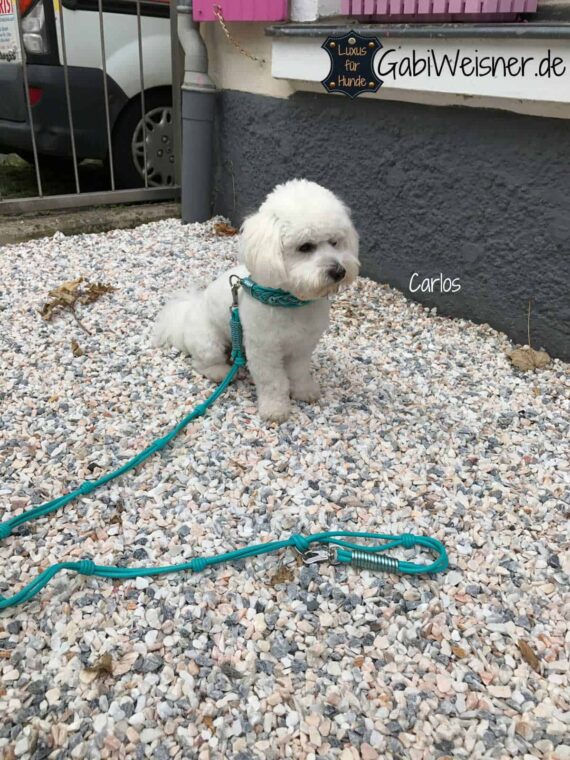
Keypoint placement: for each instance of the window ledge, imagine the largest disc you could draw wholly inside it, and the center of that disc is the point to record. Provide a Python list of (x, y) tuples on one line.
[(521, 30)]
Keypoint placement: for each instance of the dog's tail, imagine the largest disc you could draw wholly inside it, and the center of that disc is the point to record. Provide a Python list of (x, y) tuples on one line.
[(174, 319)]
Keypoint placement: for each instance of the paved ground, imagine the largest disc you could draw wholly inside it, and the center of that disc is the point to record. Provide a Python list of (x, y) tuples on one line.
[(18, 180), (14, 229)]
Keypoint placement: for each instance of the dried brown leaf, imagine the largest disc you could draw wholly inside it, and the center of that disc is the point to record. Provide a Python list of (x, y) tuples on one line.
[(103, 666), (208, 721), (76, 349), (458, 651), (529, 655), (67, 295), (93, 291), (528, 359), (66, 289), (221, 228), (283, 574), (47, 310), (541, 358)]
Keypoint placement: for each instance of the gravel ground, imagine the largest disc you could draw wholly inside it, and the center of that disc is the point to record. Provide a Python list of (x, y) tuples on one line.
[(423, 427)]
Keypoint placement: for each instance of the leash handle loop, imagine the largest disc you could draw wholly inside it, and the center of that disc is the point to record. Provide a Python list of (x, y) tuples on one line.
[(369, 557)]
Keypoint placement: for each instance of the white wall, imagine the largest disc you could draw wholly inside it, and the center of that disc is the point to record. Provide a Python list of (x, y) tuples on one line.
[(311, 10)]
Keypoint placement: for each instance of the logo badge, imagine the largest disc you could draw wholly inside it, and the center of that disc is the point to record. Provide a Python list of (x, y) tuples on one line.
[(352, 72)]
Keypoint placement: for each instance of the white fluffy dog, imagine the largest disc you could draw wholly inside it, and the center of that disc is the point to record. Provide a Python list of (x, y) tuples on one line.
[(302, 241)]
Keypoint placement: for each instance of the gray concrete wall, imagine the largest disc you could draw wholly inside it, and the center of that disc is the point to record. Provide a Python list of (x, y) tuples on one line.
[(482, 196)]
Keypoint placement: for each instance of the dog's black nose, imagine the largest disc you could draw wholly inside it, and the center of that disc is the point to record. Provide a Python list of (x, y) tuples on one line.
[(336, 272)]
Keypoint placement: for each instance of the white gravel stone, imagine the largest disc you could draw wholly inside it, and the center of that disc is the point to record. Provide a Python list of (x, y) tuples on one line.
[(149, 735), (99, 723), (453, 578), (21, 747), (138, 719), (423, 427)]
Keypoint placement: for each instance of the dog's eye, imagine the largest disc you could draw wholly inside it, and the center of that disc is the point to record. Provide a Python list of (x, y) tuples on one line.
[(307, 247), (333, 243)]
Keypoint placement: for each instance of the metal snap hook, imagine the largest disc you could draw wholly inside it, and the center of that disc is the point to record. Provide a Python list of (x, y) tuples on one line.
[(235, 283), (315, 555)]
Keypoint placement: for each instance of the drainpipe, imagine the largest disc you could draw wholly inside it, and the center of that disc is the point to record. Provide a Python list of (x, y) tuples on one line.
[(198, 99)]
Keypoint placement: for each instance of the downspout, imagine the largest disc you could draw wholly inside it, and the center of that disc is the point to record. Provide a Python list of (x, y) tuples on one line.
[(198, 100)]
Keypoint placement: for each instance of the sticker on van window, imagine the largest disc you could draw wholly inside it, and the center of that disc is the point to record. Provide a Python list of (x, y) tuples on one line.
[(9, 40)]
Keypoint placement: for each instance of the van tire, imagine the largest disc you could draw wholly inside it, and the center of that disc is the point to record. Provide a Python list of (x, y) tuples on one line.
[(128, 137)]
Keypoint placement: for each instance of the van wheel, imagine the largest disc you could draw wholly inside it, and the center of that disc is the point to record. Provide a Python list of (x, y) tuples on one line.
[(129, 142)]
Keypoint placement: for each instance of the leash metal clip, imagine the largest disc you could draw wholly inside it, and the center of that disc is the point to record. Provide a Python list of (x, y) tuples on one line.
[(235, 283), (325, 554), (315, 555)]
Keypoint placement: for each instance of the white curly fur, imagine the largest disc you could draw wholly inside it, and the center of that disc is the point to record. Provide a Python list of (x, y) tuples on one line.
[(278, 341)]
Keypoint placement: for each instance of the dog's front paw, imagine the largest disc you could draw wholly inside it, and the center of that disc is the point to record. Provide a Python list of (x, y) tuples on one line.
[(274, 411), (215, 372), (307, 391)]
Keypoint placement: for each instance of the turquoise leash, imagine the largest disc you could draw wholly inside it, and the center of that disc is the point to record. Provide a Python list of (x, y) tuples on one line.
[(360, 556)]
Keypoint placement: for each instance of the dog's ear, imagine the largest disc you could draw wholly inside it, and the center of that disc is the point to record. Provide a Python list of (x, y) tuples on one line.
[(352, 238), (261, 249)]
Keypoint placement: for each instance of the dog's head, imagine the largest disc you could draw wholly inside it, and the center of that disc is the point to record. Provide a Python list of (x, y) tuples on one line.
[(301, 240)]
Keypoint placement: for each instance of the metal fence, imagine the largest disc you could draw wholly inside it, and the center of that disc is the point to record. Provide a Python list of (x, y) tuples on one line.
[(97, 25)]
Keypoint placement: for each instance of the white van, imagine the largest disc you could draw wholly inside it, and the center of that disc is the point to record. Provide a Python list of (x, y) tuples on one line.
[(42, 39)]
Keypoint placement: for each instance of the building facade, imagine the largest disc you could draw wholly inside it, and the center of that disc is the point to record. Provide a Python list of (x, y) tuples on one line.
[(459, 182)]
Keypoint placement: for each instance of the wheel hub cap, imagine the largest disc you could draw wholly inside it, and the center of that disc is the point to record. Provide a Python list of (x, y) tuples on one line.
[(159, 147)]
